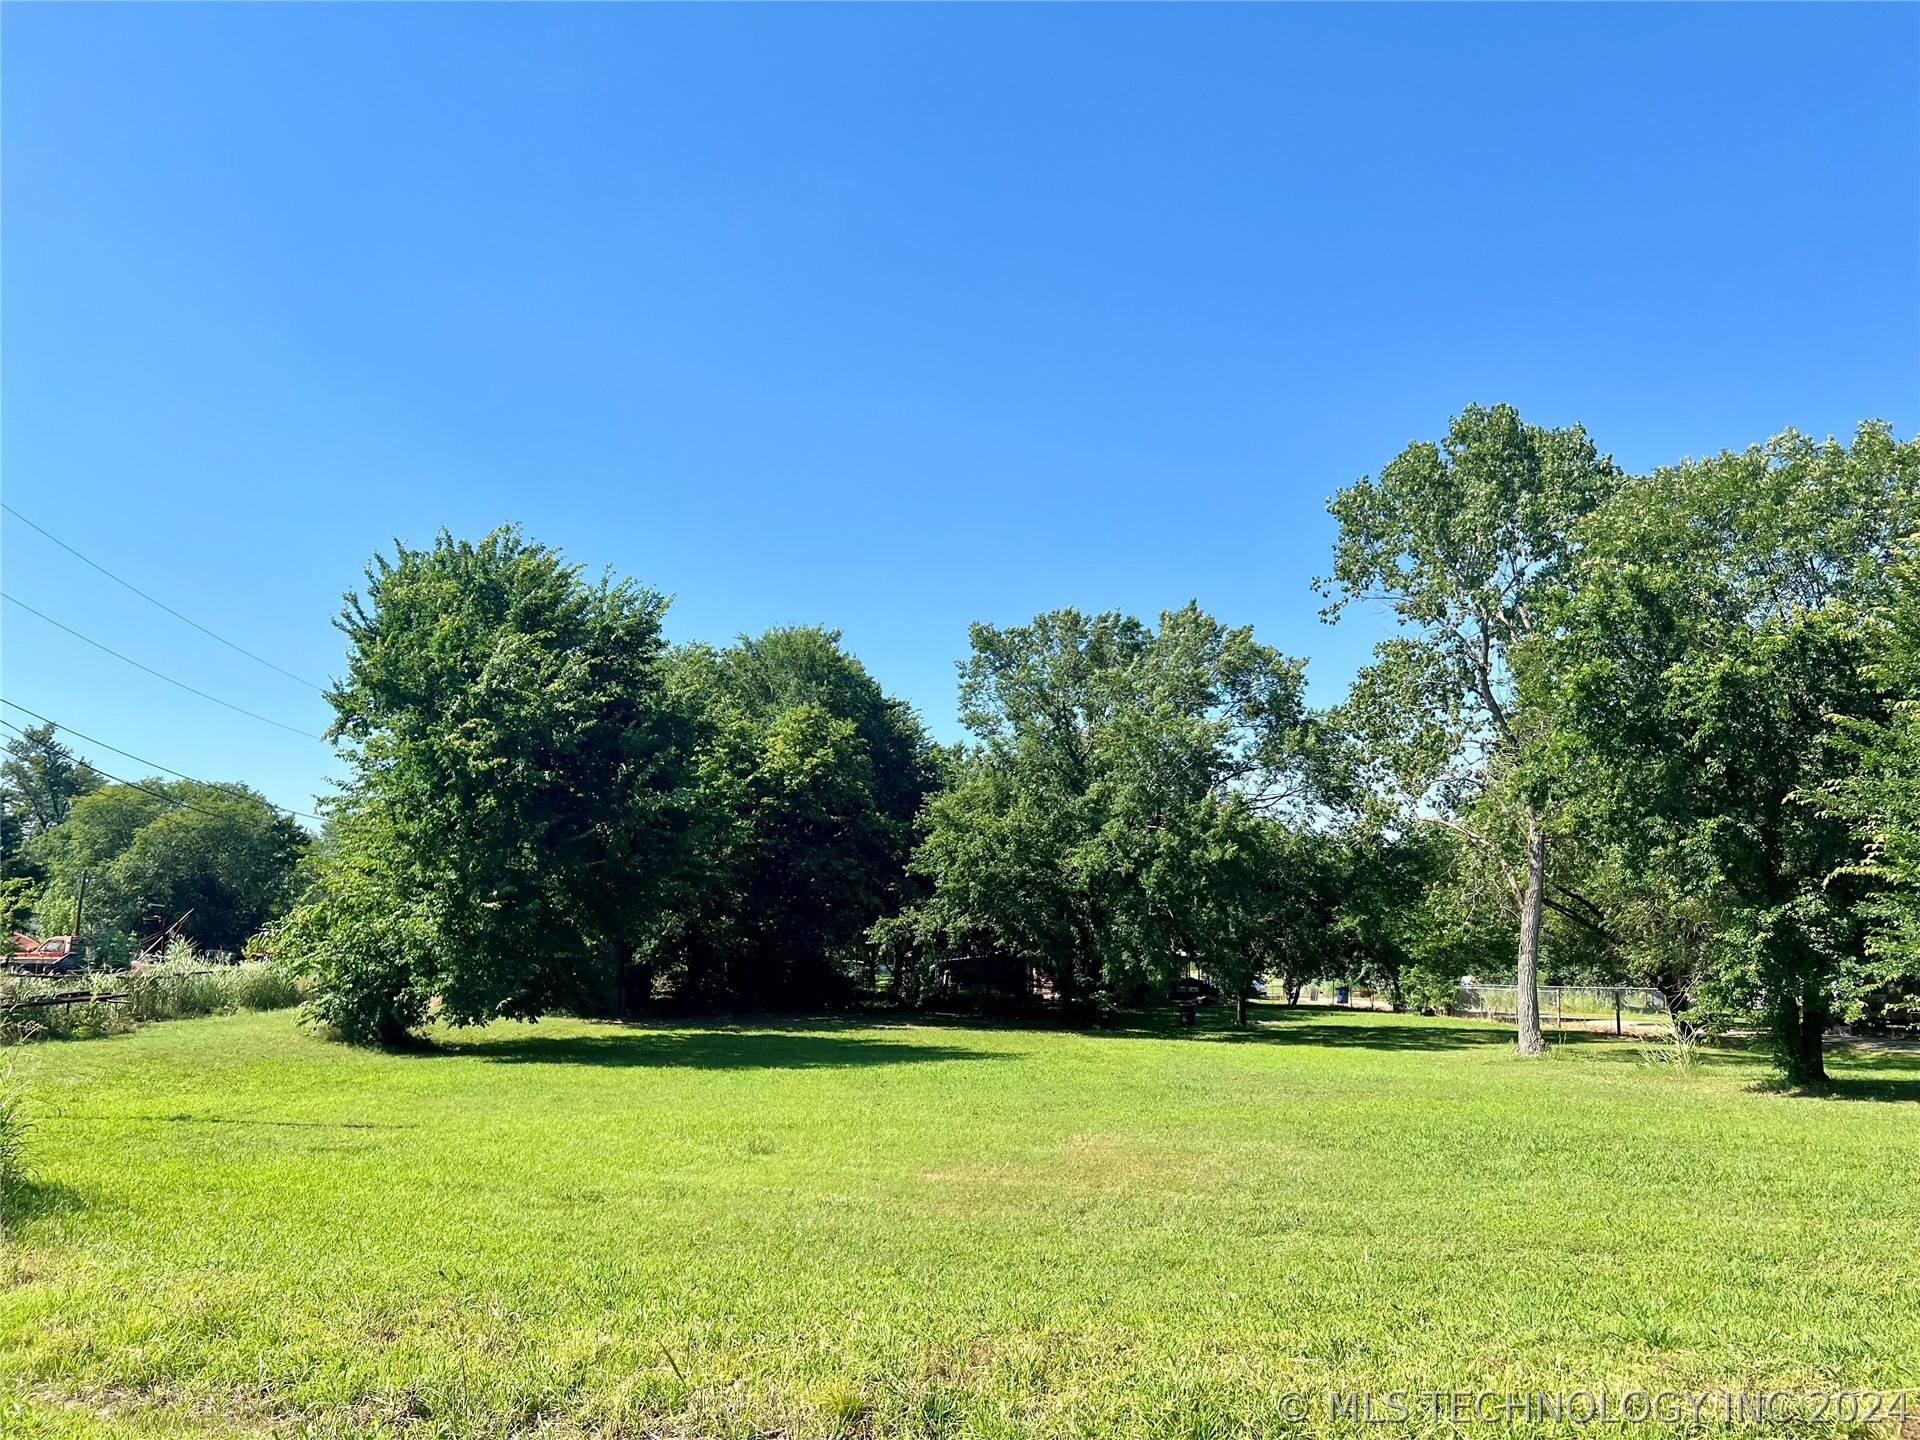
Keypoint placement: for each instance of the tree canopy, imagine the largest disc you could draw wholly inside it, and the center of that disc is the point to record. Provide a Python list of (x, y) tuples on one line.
[(514, 815), (1879, 795), (1111, 827), (808, 782), (1469, 541), (1716, 654), (214, 863), (39, 781), (1657, 728)]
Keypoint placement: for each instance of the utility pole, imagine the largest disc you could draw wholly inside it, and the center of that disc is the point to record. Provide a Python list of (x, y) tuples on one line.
[(80, 914)]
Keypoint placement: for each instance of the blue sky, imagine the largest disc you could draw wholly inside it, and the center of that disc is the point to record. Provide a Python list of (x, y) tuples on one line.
[(886, 318)]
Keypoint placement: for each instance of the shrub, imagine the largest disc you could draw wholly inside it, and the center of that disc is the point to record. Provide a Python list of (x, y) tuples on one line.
[(1428, 992), (355, 947), (364, 996)]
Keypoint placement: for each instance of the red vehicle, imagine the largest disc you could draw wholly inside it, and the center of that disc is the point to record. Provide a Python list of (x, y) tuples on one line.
[(52, 956)]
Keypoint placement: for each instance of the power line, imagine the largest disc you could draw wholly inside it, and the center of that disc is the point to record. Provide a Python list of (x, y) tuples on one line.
[(177, 774), (251, 714), (261, 659), (119, 780)]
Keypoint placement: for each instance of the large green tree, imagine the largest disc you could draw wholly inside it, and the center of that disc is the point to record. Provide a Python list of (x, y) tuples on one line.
[(810, 781), (1468, 541), (1716, 652), (1880, 796), (40, 779), (1253, 895), (515, 812), (1106, 833), (211, 862)]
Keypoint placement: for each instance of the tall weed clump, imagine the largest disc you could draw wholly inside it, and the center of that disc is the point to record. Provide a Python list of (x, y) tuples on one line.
[(21, 1019), (1677, 1045), (186, 984), (179, 986)]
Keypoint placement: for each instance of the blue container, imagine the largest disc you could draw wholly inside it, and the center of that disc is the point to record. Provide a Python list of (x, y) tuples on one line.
[(1341, 995)]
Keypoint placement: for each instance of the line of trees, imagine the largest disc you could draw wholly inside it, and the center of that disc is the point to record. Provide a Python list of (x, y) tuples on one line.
[(549, 807), (211, 863), (1666, 715), (1648, 728)]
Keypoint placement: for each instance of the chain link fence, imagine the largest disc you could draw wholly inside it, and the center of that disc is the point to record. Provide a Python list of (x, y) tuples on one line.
[(1586, 1007)]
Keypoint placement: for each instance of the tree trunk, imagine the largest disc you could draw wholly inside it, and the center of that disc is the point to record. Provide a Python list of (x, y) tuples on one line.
[(1241, 1019), (614, 961), (394, 1035), (1806, 1028), (1527, 980)]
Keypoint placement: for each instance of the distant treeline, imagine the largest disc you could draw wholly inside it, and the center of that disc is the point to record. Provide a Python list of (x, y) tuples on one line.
[(153, 860), (1658, 729)]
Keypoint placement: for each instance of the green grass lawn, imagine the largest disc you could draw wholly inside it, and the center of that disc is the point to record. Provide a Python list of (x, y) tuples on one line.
[(818, 1228)]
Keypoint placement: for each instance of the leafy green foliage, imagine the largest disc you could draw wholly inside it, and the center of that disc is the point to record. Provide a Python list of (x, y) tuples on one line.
[(515, 814), (548, 809), (809, 783), (1383, 927), (40, 780), (216, 860), (1468, 541), (1719, 641), (1880, 796), (364, 940), (1113, 826), (1655, 729)]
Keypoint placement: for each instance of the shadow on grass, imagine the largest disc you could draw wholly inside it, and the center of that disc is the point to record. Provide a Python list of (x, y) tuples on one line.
[(1376, 1035), (714, 1049), (1317, 1025), (1904, 1088), (1871, 1074), (25, 1201), (1271, 1024)]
